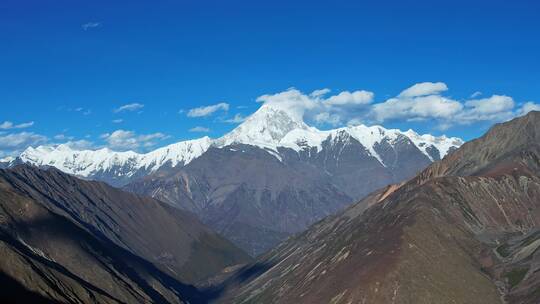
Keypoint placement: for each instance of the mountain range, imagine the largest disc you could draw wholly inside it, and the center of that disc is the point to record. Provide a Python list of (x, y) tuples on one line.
[(271, 129), (464, 230), (270, 177)]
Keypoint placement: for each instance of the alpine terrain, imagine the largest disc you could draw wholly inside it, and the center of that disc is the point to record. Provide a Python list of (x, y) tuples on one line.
[(270, 177), (464, 230), (66, 240)]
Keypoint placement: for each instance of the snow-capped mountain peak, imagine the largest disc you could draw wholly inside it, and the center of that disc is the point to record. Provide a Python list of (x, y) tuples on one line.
[(271, 127), (86, 163), (264, 128), (442, 143), (179, 153)]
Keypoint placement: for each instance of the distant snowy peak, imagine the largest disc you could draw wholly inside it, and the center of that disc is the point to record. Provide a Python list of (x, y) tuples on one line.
[(269, 128), (87, 162), (272, 127), (77, 162), (442, 143), (180, 153), (369, 137), (264, 128)]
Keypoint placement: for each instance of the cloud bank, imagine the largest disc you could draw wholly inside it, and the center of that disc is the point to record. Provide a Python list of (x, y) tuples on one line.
[(123, 140), (428, 102), (14, 143), (425, 101), (7, 125)]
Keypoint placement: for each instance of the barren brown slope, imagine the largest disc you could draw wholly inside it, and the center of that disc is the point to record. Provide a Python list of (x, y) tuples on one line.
[(436, 239), (505, 145), (68, 238), (172, 239), (53, 259)]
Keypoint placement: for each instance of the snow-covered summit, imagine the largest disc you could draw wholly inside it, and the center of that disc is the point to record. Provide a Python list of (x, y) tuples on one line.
[(264, 128), (442, 143), (269, 128), (272, 127), (87, 162)]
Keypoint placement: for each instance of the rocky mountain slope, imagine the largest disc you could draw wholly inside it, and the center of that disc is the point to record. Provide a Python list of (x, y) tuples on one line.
[(270, 177), (251, 197), (465, 230), (69, 240), (274, 175)]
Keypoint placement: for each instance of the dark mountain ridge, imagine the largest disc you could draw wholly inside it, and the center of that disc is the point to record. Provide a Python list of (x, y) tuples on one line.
[(71, 240)]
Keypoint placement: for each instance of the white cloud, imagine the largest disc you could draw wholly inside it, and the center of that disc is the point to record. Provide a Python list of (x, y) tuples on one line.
[(6, 125), (62, 137), (355, 121), (117, 121), (129, 140), (319, 93), (476, 94), (416, 108), (81, 110), (423, 89), (208, 110), (527, 107), (90, 25), (129, 107), (81, 144), (348, 98), (12, 144), (420, 102), (15, 142), (327, 118), (493, 104), (414, 105), (238, 118), (199, 129), (494, 108), (292, 101), (316, 107)]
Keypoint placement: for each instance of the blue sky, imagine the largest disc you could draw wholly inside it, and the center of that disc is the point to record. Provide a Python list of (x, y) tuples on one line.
[(67, 67)]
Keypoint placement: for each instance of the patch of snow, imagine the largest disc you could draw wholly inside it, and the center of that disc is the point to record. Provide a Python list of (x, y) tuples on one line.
[(7, 159), (442, 143), (299, 139)]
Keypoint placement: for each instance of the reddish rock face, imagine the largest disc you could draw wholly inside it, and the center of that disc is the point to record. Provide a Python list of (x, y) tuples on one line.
[(465, 230)]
